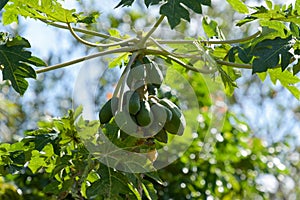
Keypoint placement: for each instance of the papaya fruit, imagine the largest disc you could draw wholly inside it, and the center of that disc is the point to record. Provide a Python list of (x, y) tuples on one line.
[(107, 110), (162, 136), (131, 101), (144, 116), (161, 113), (134, 103), (177, 123), (154, 75), (136, 73)]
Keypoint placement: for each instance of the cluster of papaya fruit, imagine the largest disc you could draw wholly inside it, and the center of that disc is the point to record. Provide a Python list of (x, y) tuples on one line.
[(138, 111)]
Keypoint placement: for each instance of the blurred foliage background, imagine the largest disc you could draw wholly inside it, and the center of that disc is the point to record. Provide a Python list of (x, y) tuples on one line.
[(256, 155)]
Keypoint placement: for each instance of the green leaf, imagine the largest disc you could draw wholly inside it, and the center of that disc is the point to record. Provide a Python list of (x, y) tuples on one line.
[(46, 10), (262, 76), (174, 10), (118, 60), (154, 176), (52, 187), (149, 190), (295, 30), (36, 162), (286, 79), (2, 3), (228, 76), (275, 25), (125, 3), (269, 52), (210, 27), (239, 6), (296, 68), (16, 62), (297, 5), (151, 2)]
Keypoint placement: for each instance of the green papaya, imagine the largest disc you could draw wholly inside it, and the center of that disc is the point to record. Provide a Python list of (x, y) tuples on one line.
[(154, 75), (144, 116), (161, 113), (131, 99), (177, 123), (107, 110), (137, 73), (134, 103), (162, 136)]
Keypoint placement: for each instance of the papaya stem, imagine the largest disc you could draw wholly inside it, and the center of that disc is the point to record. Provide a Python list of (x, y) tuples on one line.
[(84, 58), (88, 32), (79, 39), (155, 26)]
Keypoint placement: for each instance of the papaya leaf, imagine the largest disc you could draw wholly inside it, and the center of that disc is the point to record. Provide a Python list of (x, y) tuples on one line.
[(118, 60), (270, 52), (125, 3), (174, 10), (16, 63), (149, 190), (296, 68), (297, 5), (151, 2), (295, 30), (210, 27), (286, 79), (228, 76), (45, 10), (2, 3), (239, 6)]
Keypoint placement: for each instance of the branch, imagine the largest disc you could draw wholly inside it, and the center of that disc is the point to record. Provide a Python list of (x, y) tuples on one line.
[(237, 65), (122, 42), (102, 53), (121, 82), (187, 66), (210, 41), (144, 39), (88, 32)]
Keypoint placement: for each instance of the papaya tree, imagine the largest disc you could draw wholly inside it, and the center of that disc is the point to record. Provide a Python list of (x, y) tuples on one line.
[(163, 130)]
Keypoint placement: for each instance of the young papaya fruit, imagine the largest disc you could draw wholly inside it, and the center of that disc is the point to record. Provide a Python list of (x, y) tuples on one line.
[(134, 103), (154, 75), (131, 101), (162, 136), (107, 110), (161, 113), (144, 116), (136, 73), (177, 123)]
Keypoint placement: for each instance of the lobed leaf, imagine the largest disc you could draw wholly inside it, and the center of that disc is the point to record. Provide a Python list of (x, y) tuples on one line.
[(210, 27), (2, 3), (17, 63), (269, 53), (287, 80), (175, 11), (151, 2), (125, 3), (45, 10), (239, 6)]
